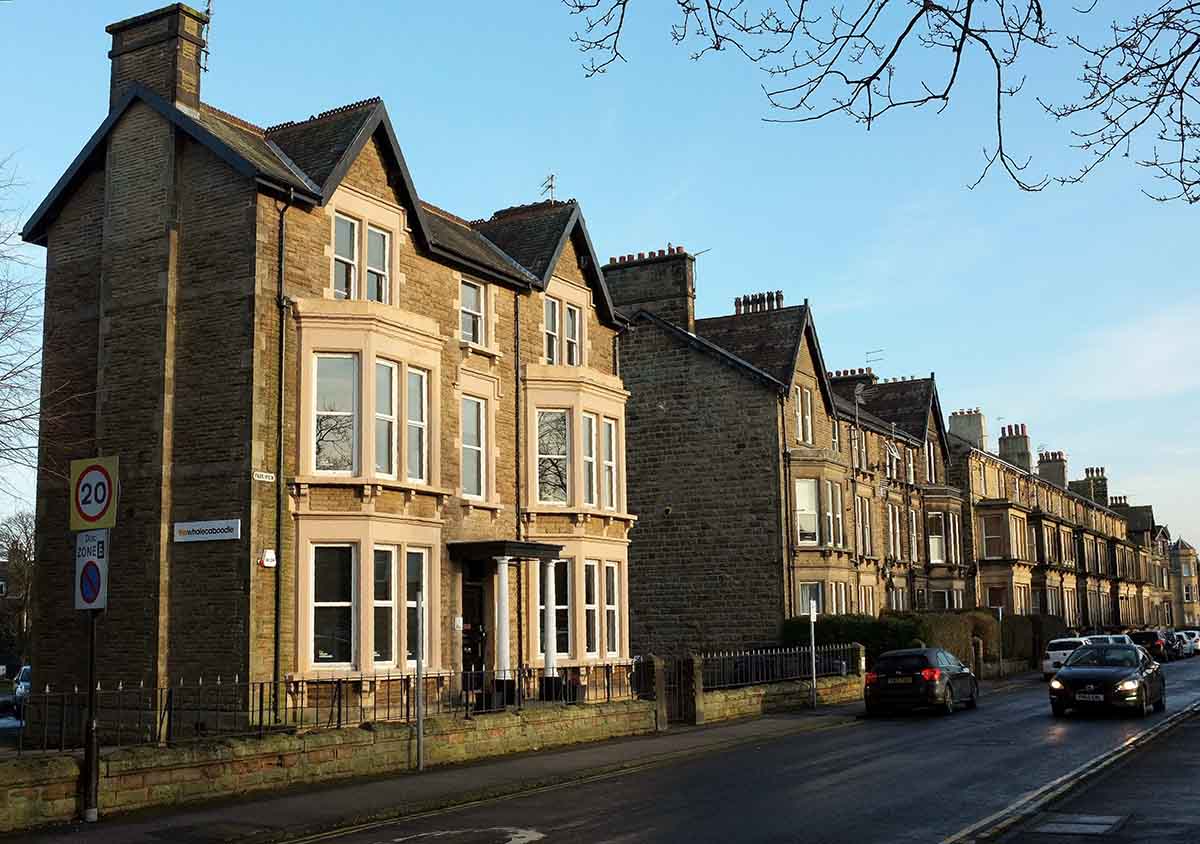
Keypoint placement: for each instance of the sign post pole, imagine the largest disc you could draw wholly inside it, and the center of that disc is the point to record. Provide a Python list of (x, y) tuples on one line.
[(91, 806), (812, 648), (420, 696)]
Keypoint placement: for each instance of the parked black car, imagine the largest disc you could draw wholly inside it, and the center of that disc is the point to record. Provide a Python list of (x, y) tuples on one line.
[(1158, 643), (1109, 676), (917, 678)]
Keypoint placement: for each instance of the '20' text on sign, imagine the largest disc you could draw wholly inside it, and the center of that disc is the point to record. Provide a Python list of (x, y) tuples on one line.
[(94, 488)]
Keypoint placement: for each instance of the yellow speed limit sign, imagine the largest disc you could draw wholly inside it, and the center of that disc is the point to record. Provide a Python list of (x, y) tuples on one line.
[(93, 493)]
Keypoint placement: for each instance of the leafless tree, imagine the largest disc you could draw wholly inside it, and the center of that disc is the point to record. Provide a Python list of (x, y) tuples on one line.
[(17, 539), (860, 59)]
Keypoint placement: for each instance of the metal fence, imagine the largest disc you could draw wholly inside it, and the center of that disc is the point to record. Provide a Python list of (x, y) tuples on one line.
[(190, 712), (771, 665)]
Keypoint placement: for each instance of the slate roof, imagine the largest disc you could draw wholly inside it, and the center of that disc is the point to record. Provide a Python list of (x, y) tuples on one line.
[(710, 348), (531, 234), (767, 339), (866, 418), (309, 158), (1139, 518), (907, 403)]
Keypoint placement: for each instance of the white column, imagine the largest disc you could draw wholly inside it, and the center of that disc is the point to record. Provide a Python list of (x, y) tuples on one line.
[(551, 645), (502, 661)]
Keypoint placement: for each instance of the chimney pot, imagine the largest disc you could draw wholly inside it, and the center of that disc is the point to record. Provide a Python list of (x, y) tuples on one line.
[(662, 252), (868, 370), (641, 255), (779, 298), (680, 250), (612, 260), (737, 305)]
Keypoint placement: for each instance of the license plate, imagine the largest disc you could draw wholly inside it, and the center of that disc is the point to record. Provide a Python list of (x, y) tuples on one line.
[(1089, 698), (900, 680)]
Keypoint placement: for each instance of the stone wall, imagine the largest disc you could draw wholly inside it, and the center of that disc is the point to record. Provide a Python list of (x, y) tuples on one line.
[(749, 701), (36, 791)]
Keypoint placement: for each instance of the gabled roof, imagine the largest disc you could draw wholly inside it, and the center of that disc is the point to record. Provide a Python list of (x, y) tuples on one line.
[(769, 339), (234, 145), (907, 402), (309, 159), (868, 419)]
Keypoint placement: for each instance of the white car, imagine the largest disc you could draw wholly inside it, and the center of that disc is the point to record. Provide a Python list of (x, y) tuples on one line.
[(1113, 639), (1056, 654), (1194, 635), (1187, 645)]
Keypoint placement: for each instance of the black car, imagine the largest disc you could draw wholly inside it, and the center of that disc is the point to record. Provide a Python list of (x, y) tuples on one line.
[(1109, 677), (1156, 642), (919, 677)]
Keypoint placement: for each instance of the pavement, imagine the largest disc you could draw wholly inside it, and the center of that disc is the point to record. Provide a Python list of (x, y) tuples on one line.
[(824, 776)]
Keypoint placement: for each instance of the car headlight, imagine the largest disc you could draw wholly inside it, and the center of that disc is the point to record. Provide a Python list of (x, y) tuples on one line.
[(1055, 684), (1127, 686)]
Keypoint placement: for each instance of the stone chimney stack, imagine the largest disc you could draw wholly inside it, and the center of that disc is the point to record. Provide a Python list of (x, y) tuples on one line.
[(662, 282), (1093, 485), (160, 50), (1052, 467), (1014, 446), (854, 377), (971, 425)]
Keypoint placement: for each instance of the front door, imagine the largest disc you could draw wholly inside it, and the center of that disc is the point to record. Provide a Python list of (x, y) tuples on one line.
[(474, 638)]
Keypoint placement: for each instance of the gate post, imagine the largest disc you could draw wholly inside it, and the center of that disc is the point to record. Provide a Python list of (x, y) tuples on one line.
[(660, 692), (695, 687)]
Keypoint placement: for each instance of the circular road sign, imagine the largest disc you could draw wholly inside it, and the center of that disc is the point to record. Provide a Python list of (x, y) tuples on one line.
[(93, 493), (89, 582)]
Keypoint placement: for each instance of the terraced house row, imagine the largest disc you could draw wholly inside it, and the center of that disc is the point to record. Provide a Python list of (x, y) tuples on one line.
[(470, 438)]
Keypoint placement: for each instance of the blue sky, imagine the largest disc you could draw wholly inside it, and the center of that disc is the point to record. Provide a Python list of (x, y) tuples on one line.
[(1073, 310)]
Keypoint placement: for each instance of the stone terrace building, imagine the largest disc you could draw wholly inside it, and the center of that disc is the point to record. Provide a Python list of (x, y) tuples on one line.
[(1033, 543), (1152, 574), (755, 489), (440, 413), (1185, 579)]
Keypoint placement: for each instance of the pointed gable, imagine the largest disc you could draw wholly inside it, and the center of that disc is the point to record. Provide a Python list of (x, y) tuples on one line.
[(768, 339)]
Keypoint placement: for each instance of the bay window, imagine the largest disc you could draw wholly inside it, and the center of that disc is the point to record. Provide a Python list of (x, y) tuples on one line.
[(589, 460), (810, 594), (553, 460), (333, 605), (862, 507), (591, 609), (385, 605), (418, 434), (385, 418), (955, 538), (563, 629), (336, 428), (993, 536), (612, 632), (936, 529), (913, 545), (416, 580), (609, 453), (834, 532), (474, 448), (806, 512)]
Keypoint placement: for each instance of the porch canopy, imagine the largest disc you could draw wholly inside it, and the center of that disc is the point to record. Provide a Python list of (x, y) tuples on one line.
[(487, 549)]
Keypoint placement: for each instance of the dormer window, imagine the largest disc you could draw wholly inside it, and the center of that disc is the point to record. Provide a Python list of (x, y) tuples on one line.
[(345, 257)]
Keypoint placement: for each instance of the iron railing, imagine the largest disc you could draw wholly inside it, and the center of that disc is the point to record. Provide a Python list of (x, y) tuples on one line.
[(772, 665), (191, 712)]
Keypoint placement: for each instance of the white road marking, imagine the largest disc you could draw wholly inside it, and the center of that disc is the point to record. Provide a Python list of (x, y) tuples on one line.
[(515, 835)]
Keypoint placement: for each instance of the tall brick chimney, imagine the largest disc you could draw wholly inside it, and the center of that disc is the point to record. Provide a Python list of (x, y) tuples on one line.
[(161, 50), (1093, 485), (661, 281), (1052, 467), (971, 425), (1014, 446)]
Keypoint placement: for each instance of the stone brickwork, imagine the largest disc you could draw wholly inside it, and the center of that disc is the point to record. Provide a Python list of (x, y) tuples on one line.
[(36, 791), (752, 701)]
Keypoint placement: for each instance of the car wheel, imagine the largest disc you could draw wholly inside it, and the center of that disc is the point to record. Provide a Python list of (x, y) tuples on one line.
[(1057, 709), (973, 701), (1161, 704), (1144, 707), (948, 703)]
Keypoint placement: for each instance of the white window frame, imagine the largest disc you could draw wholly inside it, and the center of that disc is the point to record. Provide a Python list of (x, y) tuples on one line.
[(892, 459), (812, 516), (807, 590), (380, 271), (568, 564), (572, 342), (827, 504), (862, 447), (984, 536), (937, 541), (421, 473), (591, 610), (865, 540), (480, 316), (387, 418), (552, 333), (389, 603), (352, 604), (910, 467), (591, 479), (608, 454), (806, 415), (353, 413), (913, 555), (351, 262), (410, 602), (855, 434), (838, 523), (955, 538), (566, 457), (612, 609), (930, 462), (479, 451), (835, 439)]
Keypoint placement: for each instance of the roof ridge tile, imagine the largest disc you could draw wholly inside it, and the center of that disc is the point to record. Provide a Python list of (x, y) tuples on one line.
[(333, 112), (232, 118)]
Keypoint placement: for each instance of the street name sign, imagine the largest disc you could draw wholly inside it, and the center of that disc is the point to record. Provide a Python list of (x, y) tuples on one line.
[(94, 493), (91, 570)]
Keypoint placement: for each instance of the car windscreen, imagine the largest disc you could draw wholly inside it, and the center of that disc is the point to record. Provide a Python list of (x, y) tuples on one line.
[(1141, 638), (1063, 645), (23, 677), (1100, 656), (901, 664)]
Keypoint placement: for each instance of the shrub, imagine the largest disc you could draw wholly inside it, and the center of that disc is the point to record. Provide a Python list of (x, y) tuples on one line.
[(890, 631)]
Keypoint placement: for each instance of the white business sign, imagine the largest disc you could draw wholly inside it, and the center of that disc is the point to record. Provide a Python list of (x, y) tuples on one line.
[(91, 570), (208, 531)]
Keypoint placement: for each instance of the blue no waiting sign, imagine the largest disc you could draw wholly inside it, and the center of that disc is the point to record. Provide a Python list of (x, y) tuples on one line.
[(91, 570)]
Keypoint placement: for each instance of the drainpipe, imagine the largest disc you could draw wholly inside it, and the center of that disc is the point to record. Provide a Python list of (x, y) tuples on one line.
[(284, 306), (519, 455), (788, 527)]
